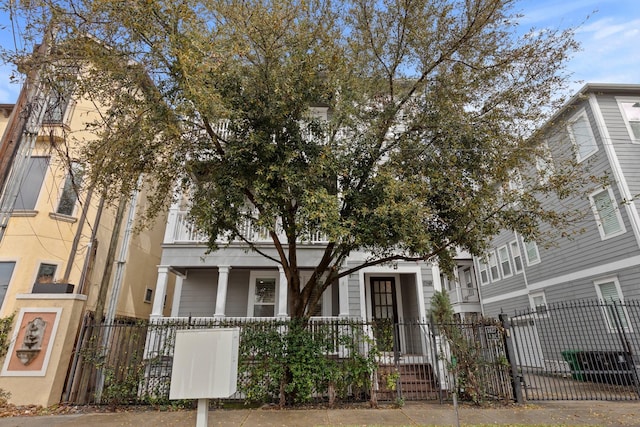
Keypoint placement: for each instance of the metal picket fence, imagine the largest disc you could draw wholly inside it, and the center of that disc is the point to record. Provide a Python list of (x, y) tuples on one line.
[(579, 350), (130, 361)]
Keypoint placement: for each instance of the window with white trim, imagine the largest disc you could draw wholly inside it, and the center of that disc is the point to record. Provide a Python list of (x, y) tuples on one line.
[(262, 294), (517, 257), (544, 164), (6, 271), (483, 270), (607, 213), (538, 303), (531, 253), (631, 113), (615, 312), (493, 267), (70, 190), (505, 261), (581, 135)]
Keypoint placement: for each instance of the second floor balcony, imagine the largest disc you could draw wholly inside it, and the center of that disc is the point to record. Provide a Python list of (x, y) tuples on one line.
[(180, 230)]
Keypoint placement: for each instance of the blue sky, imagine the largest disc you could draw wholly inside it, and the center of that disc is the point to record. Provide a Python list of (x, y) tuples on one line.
[(610, 39)]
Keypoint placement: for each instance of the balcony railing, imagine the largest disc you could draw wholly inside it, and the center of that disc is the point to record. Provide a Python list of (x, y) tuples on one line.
[(181, 230), (464, 295)]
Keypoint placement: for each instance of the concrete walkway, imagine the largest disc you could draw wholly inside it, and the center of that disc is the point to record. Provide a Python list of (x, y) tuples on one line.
[(584, 413)]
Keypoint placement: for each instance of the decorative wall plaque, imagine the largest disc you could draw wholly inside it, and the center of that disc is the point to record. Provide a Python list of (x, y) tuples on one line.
[(32, 342)]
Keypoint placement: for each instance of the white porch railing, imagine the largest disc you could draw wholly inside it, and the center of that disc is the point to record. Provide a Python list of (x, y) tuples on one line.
[(180, 230), (464, 295)]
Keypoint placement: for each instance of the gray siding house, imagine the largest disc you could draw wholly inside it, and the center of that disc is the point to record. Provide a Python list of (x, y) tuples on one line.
[(601, 127)]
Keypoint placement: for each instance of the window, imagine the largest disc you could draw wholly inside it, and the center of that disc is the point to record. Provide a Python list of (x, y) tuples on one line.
[(483, 268), (517, 257), (58, 102), (607, 214), (148, 293), (538, 303), (516, 183), (46, 273), (467, 278), (631, 113), (31, 183), (544, 164), (581, 135), (262, 294), (531, 252), (615, 312), (493, 267), (70, 190), (505, 262), (6, 271)]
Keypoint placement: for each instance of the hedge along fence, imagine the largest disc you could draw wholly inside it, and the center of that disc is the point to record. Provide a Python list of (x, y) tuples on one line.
[(281, 361)]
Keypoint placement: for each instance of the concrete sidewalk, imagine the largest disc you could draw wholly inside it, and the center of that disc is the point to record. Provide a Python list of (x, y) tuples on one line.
[(584, 413)]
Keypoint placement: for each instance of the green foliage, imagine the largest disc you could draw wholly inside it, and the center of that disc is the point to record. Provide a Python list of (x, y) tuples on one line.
[(122, 371), (6, 324), (431, 107), (465, 359), (290, 363)]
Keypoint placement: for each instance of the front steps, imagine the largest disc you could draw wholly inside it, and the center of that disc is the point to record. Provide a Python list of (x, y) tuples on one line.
[(408, 381)]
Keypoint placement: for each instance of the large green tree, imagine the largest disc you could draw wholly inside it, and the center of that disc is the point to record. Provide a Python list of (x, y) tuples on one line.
[(431, 107)]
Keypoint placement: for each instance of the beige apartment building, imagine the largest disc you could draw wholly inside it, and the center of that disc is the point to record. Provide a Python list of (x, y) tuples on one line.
[(55, 234)]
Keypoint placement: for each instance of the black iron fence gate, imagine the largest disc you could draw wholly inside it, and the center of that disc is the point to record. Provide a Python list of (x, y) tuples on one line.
[(580, 350)]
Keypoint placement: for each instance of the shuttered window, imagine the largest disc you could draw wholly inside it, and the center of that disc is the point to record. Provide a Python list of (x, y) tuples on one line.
[(582, 136), (531, 251), (615, 313), (607, 214), (631, 112)]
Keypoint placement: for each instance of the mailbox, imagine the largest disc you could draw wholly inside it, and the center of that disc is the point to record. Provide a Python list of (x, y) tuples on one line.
[(205, 363)]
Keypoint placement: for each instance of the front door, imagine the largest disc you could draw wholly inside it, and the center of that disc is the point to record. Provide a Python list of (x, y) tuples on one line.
[(384, 310)]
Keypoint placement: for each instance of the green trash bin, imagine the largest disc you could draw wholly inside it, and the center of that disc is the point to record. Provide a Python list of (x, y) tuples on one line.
[(571, 357)]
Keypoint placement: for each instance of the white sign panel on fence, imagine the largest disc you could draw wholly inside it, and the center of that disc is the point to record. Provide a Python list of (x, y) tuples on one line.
[(205, 363)]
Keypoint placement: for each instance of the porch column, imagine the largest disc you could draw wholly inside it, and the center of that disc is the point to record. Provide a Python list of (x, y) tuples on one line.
[(221, 297), (343, 296), (422, 311), (283, 289), (161, 291), (177, 292), (435, 272), (457, 284)]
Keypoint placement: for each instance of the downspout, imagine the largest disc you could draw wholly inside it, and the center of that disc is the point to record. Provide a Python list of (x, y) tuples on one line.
[(122, 258), (76, 238), (91, 248), (118, 275)]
